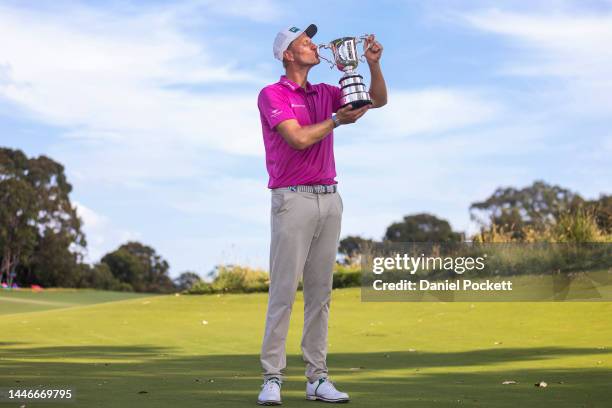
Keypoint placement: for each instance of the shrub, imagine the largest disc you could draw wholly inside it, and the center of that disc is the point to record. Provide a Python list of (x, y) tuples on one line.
[(577, 226), (346, 276), (580, 226), (123, 287), (242, 279), (234, 279), (200, 288)]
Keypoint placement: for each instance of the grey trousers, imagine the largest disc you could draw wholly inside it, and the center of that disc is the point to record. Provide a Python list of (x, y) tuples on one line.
[(304, 242)]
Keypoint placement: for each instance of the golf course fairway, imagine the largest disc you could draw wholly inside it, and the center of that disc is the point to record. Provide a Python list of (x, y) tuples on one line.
[(197, 351)]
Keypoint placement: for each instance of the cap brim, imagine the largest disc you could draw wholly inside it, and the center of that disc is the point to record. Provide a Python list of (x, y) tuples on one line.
[(311, 30)]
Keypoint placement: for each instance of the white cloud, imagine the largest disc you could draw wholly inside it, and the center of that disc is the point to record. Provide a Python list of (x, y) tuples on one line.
[(108, 77), (429, 111), (440, 173), (101, 234), (570, 46)]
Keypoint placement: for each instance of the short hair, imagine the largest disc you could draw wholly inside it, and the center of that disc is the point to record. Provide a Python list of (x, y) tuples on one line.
[(285, 62)]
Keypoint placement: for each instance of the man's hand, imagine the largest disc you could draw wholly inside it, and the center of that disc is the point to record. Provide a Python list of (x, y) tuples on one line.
[(350, 115), (300, 137), (373, 50)]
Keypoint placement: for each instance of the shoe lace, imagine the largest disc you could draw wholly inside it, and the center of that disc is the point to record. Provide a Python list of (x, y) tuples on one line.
[(269, 383), (330, 382)]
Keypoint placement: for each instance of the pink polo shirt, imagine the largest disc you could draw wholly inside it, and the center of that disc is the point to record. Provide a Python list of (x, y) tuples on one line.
[(287, 100)]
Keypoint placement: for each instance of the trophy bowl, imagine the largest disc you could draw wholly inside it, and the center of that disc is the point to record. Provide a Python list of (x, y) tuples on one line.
[(346, 59)]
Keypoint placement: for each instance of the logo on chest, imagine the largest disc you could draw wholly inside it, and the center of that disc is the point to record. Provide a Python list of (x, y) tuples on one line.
[(297, 105)]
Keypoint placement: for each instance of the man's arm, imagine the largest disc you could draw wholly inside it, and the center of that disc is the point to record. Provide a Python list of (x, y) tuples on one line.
[(301, 137), (378, 88)]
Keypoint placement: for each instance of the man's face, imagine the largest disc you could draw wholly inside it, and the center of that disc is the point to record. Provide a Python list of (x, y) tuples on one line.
[(303, 51)]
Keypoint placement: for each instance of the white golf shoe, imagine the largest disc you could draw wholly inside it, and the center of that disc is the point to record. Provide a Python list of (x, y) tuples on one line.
[(324, 390), (270, 392)]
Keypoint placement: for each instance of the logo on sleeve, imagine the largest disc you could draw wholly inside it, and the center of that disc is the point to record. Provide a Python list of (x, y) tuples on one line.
[(275, 113)]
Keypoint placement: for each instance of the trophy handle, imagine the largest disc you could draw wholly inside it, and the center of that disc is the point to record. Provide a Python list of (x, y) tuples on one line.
[(362, 38), (328, 46)]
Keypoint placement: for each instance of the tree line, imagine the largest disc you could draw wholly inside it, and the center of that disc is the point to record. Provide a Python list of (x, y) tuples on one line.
[(41, 237), (42, 242), (537, 213)]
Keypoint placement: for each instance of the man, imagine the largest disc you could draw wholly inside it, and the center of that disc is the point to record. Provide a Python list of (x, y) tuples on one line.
[(298, 120)]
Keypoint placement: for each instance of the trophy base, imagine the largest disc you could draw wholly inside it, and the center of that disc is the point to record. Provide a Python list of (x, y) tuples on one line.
[(354, 91), (357, 104)]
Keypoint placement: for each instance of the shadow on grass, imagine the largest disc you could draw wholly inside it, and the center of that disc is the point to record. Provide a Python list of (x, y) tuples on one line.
[(142, 376)]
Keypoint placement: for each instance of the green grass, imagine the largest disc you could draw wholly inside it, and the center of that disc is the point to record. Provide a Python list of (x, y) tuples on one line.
[(383, 354), (24, 300)]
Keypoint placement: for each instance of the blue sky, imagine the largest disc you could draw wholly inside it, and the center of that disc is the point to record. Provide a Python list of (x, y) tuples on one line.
[(151, 107)]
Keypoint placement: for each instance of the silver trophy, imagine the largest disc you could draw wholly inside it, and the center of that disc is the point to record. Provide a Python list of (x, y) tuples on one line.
[(344, 49)]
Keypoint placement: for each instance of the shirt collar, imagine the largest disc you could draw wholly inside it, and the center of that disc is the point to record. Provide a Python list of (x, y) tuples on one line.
[(293, 86)]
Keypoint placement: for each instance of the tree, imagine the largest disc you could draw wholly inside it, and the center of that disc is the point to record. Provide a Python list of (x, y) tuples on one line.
[(140, 266), (35, 211), (351, 248), (17, 234), (52, 263), (602, 211), (536, 206), (422, 227), (186, 280), (99, 276), (126, 268)]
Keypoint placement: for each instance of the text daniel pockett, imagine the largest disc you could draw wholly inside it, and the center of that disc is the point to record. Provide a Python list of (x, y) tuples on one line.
[(457, 264), (424, 284)]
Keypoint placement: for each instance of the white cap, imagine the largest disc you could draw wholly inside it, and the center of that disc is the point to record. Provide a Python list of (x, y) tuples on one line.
[(284, 38)]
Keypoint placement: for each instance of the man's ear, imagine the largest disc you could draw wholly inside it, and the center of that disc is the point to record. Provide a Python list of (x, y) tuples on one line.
[(288, 56)]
